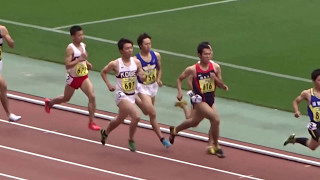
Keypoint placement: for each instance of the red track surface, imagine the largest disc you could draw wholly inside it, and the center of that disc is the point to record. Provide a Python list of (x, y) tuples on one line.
[(138, 164)]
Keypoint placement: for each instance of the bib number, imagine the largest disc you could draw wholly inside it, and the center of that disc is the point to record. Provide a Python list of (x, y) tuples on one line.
[(81, 69), (316, 114), (151, 76), (206, 85), (129, 84)]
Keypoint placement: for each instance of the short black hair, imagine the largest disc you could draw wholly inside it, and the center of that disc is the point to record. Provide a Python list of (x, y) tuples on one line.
[(203, 45), (75, 29), (123, 41), (315, 73), (141, 38)]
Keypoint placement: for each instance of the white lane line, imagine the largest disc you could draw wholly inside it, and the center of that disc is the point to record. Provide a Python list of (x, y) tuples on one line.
[(68, 162), (166, 130), (164, 52), (118, 147), (12, 177), (146, 14)]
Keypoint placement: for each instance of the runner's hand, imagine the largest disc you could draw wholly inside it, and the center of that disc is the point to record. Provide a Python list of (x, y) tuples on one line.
[(111, 88), (159, 83), (83, 57), (297, 114), (89, 65)]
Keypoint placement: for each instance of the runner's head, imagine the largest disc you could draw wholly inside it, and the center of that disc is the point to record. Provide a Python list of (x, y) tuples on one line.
[(125, 47), (76, 34), (144, 42)]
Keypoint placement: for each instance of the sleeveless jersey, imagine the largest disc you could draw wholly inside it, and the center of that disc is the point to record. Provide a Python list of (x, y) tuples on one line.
[(314, 108), (79, 69), (126, 80), (203, 85), (150, 68)]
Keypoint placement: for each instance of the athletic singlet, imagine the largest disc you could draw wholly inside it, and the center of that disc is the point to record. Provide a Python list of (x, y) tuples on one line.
[(126, 80), (203, 85), (1, 42), (150, 68), (314, 108), (79, 69)]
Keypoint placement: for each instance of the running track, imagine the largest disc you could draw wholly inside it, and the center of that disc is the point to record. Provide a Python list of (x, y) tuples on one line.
[(60, 146)]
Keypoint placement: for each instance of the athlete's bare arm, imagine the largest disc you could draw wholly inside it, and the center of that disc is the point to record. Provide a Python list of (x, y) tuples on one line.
[(140, 71), (305, 95), (159, 69), (85, 56), (5, 34), (111, 66), (190, 78), (68, 59), (217, 77), (189, 71)]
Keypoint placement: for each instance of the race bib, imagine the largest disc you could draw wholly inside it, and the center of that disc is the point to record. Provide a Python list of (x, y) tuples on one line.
[(129, 84), (81, 69), (206, 85), (316, 114), (151, 76)]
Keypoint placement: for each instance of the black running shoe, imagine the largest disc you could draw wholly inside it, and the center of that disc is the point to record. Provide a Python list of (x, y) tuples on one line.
[(219, 153), (103, 136)]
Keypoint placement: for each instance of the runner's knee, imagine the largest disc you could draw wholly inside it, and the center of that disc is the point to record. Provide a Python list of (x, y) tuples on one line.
[(194, 124), (66, 99), (92, 98)]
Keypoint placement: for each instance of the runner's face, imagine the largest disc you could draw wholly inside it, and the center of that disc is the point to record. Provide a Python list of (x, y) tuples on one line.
[(206, 55), (146, 45), (127, 50), (317, 83), (78, 37)]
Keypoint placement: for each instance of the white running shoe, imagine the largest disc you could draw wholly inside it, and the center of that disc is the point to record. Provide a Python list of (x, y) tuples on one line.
[(14, 118)]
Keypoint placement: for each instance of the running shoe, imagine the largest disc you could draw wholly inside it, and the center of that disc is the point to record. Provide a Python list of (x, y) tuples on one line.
[(172, 134), (165, 142), (219, 153), (132, 146), (14, 118), (93, 126), (291, 139), (210, 150), (46, 105), (103, 136), (181, 103)]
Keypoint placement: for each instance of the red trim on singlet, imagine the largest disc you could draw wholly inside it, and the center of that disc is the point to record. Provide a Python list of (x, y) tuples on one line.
[(196, 81)]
